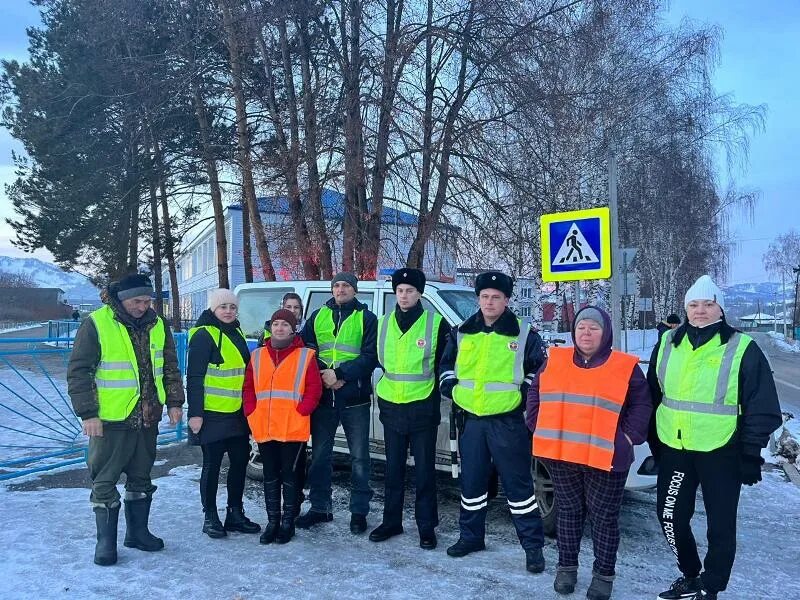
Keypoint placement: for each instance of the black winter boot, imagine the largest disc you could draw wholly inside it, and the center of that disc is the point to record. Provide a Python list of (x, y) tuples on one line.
[(311, 518), (463, 547), (235, 520), (272, 498), (534, 560), (600, 588), (286, 532), (566, 579), (106, 518), (137, 515), (212, 526)]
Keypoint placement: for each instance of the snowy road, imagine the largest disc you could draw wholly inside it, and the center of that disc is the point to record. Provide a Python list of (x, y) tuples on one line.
[(46, 546), (786, 367)]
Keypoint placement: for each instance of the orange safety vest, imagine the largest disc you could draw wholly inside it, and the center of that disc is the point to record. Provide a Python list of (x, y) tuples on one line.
[(278, 392), (579, 408)]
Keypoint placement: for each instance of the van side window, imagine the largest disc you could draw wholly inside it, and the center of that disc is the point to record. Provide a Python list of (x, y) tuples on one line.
[(390, 300), (318, 298)]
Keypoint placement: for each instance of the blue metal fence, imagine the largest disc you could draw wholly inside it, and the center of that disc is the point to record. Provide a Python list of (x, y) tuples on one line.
[(39, 431)]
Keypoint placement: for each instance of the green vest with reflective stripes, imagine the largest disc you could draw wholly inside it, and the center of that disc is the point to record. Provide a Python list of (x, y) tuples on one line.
[(407, 358), (490, 371), (117, 374), (700, 404), (346, 344), (222, 385)]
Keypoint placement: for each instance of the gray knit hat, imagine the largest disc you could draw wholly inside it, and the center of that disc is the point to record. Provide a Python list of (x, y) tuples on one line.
[(592, 314), (347, 278)]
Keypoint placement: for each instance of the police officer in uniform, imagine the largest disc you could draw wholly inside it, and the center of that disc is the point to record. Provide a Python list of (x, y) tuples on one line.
[(489, 362), (411, 341)]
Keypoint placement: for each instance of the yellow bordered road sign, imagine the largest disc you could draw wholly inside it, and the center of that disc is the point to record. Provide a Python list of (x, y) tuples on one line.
[(576, 245)]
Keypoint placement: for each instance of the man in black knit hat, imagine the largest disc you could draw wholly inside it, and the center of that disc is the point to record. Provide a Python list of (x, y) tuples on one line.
[(411, 341), (122, 371)]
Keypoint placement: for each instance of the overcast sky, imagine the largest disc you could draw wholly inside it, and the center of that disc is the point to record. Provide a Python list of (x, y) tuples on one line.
[(759, 64)]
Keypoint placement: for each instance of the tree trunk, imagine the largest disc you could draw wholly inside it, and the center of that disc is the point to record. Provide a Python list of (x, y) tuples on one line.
[(133, 240), (156, 234), (289, 151), (213, 181), (247, 250), (416, 255), (320, 243), (169, 242), (389, 82), (243, 143)]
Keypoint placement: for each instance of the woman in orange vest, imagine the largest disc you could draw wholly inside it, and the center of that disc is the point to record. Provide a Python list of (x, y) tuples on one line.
[(587, 407), (282, 387)]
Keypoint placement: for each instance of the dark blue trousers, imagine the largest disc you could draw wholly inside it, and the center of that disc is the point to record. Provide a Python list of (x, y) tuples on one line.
[(503, 440)]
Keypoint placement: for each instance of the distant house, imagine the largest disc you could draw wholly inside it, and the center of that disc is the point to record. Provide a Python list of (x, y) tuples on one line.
[(761, 321), (197, 266), (29, 303)]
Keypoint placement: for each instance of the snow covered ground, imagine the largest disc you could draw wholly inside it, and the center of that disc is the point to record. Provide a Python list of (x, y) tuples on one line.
[(47, 541), (21, 327), (780, 342)]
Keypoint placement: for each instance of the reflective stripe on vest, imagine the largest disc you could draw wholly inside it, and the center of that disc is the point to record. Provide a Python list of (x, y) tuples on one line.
[(490, 370), (579, 408), (346, 344), (700, 387), (407, 358), (117, 375), (222, 384), (278, 391)]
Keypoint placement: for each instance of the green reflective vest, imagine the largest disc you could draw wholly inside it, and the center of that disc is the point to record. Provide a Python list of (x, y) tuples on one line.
[(117, 374), (407, 358), (222, 385), (346, 344), (700, 404), (490, 371)]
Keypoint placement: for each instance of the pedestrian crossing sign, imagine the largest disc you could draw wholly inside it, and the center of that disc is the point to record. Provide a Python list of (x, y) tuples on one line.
[(576, 245)]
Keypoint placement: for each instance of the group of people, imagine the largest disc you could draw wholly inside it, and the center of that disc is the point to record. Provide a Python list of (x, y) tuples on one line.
[(579, 409)]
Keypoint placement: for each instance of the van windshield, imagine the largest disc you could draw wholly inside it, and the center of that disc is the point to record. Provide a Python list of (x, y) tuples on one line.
[(463, 302), (256, 306)]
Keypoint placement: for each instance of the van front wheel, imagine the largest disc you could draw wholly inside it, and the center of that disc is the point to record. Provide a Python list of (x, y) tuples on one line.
[(545, 497)]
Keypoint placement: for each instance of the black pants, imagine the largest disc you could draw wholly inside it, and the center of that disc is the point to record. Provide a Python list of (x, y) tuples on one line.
[(238, 449), (423, 449), (280, 460), (717, 474)]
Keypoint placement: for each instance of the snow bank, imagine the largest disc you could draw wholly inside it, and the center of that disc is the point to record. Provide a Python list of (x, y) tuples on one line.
[(782, 343)]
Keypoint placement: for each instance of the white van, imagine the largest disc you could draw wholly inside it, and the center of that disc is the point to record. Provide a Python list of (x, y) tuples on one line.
[(257, 301)]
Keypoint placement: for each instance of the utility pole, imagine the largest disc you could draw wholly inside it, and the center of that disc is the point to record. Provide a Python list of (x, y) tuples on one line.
[(616, 312), (783, 293), (796, 271)]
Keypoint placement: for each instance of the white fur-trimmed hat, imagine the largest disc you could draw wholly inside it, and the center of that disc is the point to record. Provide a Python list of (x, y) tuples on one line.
[(221, 296), (705, 289)]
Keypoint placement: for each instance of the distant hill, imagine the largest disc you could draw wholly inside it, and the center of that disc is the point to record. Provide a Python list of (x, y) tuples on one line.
[(744, 298), (76, 287)]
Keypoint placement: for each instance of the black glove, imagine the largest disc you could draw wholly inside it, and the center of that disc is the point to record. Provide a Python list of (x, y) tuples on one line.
[(750, 469)]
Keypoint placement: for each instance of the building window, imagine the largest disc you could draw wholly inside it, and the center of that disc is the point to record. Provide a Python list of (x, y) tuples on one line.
[(524, 311), (526, 293)]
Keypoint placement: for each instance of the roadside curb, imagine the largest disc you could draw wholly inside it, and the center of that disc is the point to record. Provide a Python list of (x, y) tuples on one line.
[(791, 473)]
